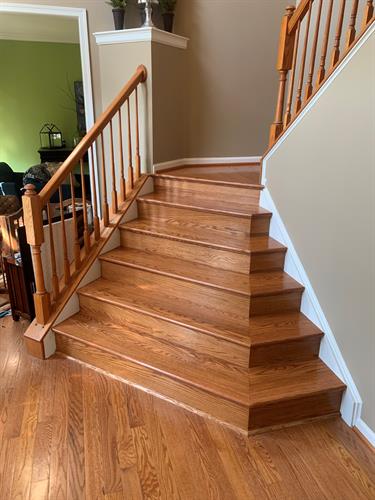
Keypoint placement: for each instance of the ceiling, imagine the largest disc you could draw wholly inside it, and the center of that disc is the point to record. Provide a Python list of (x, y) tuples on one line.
[(38, 28)]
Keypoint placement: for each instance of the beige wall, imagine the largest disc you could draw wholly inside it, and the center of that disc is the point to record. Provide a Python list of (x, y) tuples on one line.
[(322, 180), (169, 83), (231, 73)]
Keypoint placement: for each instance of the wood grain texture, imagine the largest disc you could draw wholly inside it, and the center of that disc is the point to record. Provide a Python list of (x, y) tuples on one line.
[(182, 454)]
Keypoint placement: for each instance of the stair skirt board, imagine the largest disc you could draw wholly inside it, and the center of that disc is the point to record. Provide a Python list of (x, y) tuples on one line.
[(330, 353), (222, 160)]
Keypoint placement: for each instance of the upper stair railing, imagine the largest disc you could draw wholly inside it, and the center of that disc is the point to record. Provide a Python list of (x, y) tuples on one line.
[(75, 227), (314, 38)]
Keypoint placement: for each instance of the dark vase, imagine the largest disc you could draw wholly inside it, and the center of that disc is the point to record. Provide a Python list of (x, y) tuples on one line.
[(119, 18), (168, 19)]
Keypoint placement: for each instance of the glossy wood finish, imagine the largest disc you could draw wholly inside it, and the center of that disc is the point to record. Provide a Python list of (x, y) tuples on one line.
[(70, 432), (198, 310), (235, 174)]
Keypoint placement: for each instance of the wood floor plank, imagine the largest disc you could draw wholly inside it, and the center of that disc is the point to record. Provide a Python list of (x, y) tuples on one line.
[(315, 461)]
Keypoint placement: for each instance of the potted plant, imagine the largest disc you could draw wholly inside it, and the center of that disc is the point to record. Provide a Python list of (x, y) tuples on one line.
[(118, 10), (167, 8)]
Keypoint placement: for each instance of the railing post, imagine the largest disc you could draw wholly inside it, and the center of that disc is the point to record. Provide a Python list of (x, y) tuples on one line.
[(284, 64), (33, 221)]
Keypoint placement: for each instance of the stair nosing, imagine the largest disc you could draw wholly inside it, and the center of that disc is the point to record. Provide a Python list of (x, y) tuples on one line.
[(197, 208), (151, 367), (143, 309), (198, 180), (125, 227), (286, 339)]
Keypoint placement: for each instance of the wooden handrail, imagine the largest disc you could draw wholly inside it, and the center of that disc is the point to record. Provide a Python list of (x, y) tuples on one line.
[(49, 189), (295, 58), (80, 227), (298, 15)]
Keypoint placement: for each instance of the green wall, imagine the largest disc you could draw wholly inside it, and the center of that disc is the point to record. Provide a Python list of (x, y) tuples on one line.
[(35, 79)]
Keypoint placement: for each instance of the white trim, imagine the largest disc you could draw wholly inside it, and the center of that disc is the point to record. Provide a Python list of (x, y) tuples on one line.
[(365, 430), (316, 98), (141, 35), (207, 161), (329, 351)]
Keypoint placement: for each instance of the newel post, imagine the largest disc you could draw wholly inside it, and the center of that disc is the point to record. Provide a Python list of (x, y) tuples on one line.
[(284, 64), (32, 213)]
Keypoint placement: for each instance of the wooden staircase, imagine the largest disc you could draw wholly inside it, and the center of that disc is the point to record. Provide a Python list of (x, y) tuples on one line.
[(195, 307)]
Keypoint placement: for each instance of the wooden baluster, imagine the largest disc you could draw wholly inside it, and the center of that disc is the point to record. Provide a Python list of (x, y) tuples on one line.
[(350, 36), (55, 279), (303, 63), (284, 63), (130, 168), (137, 154), (369, 12), (288, 114), (322, 67), (94, 197), (122, 164), (336, 45), (86, 233), (309, 87), (104, 186), (32, 210), (113, 171), (76, 247), (64, 240)]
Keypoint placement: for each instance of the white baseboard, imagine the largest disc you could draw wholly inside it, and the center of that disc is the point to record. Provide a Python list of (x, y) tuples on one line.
[(329, 351), (365, 430), (207, 161)]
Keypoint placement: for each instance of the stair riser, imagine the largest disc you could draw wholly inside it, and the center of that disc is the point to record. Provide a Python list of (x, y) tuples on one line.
[(288, 351), (295, 410), (161, 329), (206, 301), (223, 259), (267, 261), (249, 196), (269, 304), (162, 385), (257, 224)]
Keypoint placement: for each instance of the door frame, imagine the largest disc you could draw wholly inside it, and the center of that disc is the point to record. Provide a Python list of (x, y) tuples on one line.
[(81, 15)]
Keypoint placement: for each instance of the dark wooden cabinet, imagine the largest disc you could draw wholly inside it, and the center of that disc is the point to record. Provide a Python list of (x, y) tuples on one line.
[(55, 155)]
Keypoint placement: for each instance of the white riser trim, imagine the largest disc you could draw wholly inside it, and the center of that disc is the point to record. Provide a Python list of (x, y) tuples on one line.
[(368, 433), (329, 351), (228, 160)]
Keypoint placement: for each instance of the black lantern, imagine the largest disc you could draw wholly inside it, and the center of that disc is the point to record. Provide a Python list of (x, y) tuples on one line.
[(50, 137)]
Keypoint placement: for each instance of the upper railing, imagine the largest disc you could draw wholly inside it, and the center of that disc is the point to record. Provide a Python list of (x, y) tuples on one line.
[(311, 45), (71, 226)]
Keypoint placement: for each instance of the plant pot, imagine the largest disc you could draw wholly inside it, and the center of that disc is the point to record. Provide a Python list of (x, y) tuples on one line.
[(168, 19), (119, 18)]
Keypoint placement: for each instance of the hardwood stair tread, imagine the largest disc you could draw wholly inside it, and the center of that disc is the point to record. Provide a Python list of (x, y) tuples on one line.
[(191, 200), (278, 328), (166, 306), (278, 382), (256, 284), (232, 182), (226, 240), (209, 374), (254, 387), (275, 328), (239, 174)]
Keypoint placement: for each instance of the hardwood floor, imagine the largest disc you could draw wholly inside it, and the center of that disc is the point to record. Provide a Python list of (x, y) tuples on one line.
[(69, 432)]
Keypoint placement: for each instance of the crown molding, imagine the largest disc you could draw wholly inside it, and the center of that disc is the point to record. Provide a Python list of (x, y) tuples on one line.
[(141, 35)]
